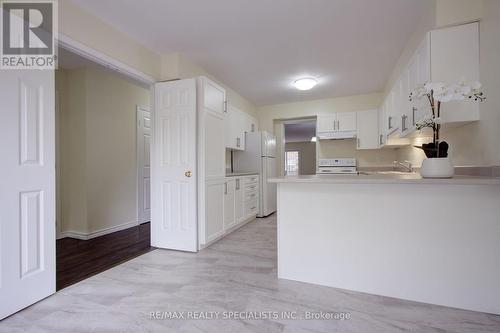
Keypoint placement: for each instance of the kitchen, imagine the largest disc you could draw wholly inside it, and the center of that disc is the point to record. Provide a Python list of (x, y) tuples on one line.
[(336, 157)]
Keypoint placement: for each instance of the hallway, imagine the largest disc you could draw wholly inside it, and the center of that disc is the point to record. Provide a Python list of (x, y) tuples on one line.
[(236, 274)]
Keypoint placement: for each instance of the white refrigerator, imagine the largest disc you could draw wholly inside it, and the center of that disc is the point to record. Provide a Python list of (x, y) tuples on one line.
[(260, 155)]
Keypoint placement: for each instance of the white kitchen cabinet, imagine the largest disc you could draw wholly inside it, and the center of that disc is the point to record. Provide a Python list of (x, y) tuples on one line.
[(326, 123), (368, 133), (455, 55), (250, 123), (212, 112), (229, 203), (346, 121), (336, 124), (445, 55), (239, 201), (238, 123), (214, 210), (235, 128)]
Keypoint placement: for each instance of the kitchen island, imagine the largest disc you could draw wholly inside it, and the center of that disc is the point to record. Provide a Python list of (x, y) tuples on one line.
[(398, 235)]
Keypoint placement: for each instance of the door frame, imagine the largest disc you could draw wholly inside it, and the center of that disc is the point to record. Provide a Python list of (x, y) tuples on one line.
[(117, 66), (140, 192)]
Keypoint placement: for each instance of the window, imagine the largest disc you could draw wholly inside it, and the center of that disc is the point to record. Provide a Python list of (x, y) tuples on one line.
[(292, 163)]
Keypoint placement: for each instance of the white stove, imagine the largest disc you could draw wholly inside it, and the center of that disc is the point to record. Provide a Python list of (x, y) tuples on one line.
[(337, 166)]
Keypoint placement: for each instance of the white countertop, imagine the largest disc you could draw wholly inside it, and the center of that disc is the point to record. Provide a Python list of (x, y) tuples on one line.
[(386, 178), (239, 174)]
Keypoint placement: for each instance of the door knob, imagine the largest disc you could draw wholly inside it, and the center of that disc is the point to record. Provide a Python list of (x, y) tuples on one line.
[(188, 174)]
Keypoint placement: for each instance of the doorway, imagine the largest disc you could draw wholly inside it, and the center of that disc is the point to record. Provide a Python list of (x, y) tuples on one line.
[(103, 130), (300, 147)]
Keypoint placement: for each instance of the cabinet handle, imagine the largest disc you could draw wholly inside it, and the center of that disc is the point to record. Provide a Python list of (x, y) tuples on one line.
[(238, 142), (403, 123), (253, 128), (359, 142), (225, 188), (225, 106), (390, 122), (414, 111), (381, 139), (237, 184)]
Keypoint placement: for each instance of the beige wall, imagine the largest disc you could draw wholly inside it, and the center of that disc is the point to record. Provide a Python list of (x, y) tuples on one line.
[(307, 156), (365, 158), (88, 30), (98, 149), (71, 88)]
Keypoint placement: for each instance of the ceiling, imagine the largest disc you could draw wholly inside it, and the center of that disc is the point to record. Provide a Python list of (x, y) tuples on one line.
[(258, 47), (300, 132)]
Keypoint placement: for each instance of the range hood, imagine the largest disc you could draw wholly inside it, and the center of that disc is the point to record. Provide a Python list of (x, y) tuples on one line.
[(337, 135)]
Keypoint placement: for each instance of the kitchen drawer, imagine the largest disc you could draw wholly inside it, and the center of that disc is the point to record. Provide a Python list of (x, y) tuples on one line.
[(251, 207), (252, 196), (251, 179), (251, 188)]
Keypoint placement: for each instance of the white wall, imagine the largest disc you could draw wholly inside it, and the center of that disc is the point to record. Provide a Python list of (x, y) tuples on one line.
[(98, 149)]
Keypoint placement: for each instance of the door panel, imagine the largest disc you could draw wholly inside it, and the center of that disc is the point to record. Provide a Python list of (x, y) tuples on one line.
[(269, 200), (174, 204), (144, 163), (229, 204), (346, 121), (27, 191)]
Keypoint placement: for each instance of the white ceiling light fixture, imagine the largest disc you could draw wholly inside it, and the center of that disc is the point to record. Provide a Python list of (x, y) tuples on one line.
[(314, 139), (306, 83)]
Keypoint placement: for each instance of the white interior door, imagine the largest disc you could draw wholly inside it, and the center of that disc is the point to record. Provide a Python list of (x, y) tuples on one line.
[(174, 204), (144, 164), (27, 188)]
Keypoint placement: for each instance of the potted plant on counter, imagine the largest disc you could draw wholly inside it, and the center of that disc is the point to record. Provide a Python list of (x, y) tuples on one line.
[(437, 164)]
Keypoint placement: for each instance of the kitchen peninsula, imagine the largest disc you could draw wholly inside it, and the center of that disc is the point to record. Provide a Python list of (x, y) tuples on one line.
[(428, 240)]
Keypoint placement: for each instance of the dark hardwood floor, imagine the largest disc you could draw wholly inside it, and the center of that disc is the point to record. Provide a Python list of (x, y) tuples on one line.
[(79, 259)]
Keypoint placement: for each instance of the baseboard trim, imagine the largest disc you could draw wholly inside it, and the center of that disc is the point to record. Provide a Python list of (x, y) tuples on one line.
[(97, 233)]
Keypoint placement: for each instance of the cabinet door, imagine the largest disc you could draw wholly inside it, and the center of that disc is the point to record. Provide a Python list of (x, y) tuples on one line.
[(214, 210), (382, 137), (455, 55), (229, 200), (239, 201), (214, 96), (408, 78), (346, 121), (422, 106), (326, 123), (228, 129), (368, 133)]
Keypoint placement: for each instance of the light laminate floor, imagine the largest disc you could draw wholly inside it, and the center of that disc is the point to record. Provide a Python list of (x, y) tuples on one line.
[(236, 274)]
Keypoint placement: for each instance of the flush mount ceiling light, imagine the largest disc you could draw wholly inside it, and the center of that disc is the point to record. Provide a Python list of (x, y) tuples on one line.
[(306, 83)]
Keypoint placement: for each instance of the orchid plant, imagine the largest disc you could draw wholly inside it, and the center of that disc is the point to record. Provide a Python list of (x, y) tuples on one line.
[(438, 93)]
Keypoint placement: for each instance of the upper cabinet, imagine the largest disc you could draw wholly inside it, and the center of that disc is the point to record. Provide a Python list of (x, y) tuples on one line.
[(455, 55), (445, 55), (237, 123), (336, 125), (368, 134), (214, 96)]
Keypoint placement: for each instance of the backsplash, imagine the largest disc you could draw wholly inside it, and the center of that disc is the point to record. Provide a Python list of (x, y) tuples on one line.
[(347, 148)]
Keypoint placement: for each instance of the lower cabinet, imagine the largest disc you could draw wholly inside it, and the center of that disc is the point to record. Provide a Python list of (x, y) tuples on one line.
[(239, 213), (229, 203), (214, 210)]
